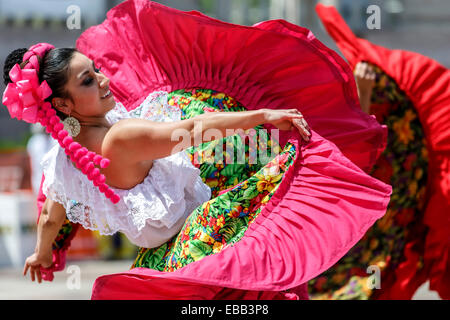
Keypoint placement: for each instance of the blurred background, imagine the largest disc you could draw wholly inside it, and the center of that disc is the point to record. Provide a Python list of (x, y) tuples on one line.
[(416, 25)]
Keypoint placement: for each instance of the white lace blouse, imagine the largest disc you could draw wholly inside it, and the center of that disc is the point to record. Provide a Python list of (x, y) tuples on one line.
[(150, 213)]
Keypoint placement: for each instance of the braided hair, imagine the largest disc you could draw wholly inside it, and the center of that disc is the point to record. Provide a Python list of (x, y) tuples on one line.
[(53, 68)]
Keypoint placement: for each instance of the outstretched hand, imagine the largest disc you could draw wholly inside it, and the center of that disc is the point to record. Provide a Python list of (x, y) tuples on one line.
[(287, 119), (34, 264)]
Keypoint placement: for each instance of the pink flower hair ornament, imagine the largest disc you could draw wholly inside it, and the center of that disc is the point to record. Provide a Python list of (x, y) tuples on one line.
[(25, 99)]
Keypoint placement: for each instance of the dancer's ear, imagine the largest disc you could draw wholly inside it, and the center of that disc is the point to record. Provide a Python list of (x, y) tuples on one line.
[(60, 105)]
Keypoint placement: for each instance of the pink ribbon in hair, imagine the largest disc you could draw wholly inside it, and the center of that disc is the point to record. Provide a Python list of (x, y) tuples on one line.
[(24, 96)]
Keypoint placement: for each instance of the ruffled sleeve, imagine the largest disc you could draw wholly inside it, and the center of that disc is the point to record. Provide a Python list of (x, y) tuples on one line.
[(66, 185), (149, 213)]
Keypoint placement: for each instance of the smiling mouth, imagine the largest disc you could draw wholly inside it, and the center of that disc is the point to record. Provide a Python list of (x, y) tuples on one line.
[(107, 94)]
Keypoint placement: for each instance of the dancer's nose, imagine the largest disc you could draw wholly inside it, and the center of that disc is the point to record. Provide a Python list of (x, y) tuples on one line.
[(104, 81)]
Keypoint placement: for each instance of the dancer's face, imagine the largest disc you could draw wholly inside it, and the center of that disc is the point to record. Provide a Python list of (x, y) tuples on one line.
[(86, 86)]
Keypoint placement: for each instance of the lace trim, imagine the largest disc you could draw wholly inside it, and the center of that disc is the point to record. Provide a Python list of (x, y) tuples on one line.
[(70, 187), (156, 108), (161, 199)]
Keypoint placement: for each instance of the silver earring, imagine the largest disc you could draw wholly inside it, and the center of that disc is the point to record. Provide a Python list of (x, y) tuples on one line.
[(72, 126)]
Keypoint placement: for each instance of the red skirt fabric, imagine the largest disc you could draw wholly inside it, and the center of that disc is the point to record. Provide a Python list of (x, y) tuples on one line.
[(427, 85), (326, 202)]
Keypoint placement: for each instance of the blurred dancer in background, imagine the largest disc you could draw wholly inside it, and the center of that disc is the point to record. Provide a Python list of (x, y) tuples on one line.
[(410, 94)]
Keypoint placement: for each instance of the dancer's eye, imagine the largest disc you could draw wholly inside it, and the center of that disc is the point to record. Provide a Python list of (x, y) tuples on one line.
[(88, 81)]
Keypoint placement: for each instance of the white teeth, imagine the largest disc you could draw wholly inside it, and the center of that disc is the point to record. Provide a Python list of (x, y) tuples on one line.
[(106, 94)]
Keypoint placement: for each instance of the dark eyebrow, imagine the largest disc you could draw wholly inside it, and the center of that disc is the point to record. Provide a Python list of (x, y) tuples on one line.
[(86, 71)]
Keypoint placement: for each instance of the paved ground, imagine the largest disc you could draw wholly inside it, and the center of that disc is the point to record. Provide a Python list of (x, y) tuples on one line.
[(13, 286)]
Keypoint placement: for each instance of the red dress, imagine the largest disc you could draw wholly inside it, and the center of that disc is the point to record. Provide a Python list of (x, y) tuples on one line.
[(427, 84)]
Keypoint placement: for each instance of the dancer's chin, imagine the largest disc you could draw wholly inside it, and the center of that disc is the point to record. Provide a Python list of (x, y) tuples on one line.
[(110, 104)]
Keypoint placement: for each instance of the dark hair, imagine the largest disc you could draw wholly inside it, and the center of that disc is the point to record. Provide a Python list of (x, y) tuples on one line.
[(54, 68)]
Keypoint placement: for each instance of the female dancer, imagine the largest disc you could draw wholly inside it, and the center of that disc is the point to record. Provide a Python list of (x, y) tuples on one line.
[(233, 245), (89, 100)]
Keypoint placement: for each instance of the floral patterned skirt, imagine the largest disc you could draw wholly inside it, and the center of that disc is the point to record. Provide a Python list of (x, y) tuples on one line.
[(241, 185)]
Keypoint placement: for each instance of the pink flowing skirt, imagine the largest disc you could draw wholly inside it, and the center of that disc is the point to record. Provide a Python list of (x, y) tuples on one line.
[(326, 201)]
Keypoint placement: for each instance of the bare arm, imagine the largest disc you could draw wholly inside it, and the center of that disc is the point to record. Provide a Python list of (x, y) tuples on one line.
[(50, 222), (365, 81), (147, 140)]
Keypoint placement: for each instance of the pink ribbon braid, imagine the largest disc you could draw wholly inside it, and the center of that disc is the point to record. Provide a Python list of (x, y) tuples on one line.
[(24, 97)]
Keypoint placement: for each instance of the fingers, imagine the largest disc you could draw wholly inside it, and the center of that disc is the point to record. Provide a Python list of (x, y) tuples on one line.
[(38, 274), (305, 124), (364, 70), (33, 264), (302, 129), (364, 67), (294, 119), (25, 268), (369, 74), (300, 123), (357, 70), (35, 273), (32, 273), (295, 111)]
